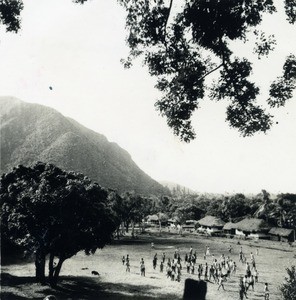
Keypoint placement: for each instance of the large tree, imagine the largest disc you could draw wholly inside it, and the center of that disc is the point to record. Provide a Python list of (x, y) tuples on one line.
[(183, 42), (134, 209), (50, 212)]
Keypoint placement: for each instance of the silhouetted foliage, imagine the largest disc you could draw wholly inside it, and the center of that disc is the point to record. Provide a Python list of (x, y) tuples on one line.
[(183, 42), (48, 211), (10, 14), (288, 288)]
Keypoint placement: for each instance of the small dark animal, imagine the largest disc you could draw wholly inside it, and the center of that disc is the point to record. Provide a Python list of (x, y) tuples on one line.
[(95, 273), (84, 268)]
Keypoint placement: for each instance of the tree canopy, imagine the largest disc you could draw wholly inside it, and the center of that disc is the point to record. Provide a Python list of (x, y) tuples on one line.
[(48, 211), (10, 14), (183, 46), (183, 42)]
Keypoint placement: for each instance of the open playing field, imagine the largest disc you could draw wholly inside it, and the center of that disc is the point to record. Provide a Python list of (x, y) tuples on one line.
[(114, 282)]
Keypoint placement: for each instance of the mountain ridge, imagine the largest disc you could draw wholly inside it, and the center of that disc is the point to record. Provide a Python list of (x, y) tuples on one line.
[(33, 132)]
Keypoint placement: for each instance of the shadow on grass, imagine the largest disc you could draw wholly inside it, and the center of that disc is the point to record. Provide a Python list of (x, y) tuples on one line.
[(76, 288)]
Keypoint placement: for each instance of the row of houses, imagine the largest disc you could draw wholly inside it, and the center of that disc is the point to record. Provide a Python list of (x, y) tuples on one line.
[(246, 228)]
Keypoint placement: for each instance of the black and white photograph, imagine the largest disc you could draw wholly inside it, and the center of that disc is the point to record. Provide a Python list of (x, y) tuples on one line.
[(148, 149)]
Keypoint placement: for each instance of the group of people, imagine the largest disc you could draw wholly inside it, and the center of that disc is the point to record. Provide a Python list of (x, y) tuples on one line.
[(215, 270), (251, 275)]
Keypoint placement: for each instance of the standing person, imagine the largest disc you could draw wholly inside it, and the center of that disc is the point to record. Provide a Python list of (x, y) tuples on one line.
[(242, 290), (230, 249), (220, 282), (163, 257), (206, 272), (169, 271), (234, 267), (246, 283), (266, 291), (155, 261), (199, 271), (195, 256), (188, 266), (251, 282), (127, 263), (253, 264), (248, 270), (173, 273), (241, 255), (257, 251), (208, 251), (178, 275), (190, 250), (127, 266), (256, 275), (161, 267), (212, 273), (123, 260), (142, 267), (192, 267), (179, 259)]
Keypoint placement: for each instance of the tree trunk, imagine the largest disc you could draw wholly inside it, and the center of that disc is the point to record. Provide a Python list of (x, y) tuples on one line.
[(51, 267), (56, 273), (142, 227), (133, 229), (40, 266), (126, 226)]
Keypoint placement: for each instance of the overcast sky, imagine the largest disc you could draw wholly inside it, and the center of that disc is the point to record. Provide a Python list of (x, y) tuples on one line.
[(76, 49)]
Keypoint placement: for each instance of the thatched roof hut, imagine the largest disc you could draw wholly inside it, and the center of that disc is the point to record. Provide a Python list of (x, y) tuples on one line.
[(282, 234), (280, 231), (252, 225), (229, 226), (211, 221)]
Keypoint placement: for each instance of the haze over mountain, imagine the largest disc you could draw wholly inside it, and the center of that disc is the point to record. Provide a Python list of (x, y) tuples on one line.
[(176, 188), (33, 132)]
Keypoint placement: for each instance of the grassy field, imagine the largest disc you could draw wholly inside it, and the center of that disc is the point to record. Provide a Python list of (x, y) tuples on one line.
[(114, 282)]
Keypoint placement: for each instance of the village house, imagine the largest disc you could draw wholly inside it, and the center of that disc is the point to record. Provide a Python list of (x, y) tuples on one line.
[(156, 220), (282, 234), (210, 225), (252, 228), (229, 229), (189, 225), (152, 220)]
